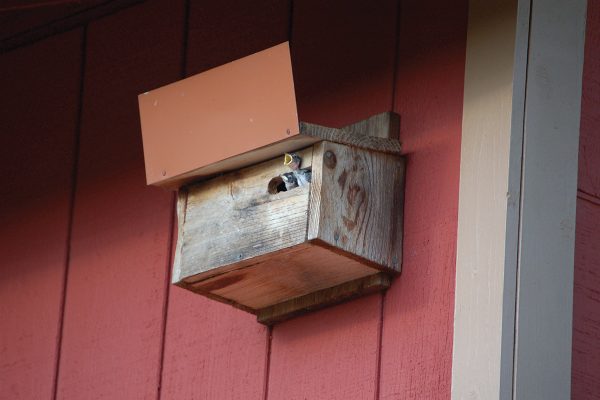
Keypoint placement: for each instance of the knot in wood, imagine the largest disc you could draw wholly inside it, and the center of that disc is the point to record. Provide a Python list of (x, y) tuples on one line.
[(330, 159)]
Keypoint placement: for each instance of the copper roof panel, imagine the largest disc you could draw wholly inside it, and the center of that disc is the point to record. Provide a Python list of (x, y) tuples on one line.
[(219, 117)]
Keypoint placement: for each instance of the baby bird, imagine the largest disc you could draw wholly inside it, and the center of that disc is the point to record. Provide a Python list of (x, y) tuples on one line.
[(292, 160), (290, 181), (296, 178), (299, 176)]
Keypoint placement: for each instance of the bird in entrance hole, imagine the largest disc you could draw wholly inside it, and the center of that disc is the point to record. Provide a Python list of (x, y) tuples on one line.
[(298, 177)]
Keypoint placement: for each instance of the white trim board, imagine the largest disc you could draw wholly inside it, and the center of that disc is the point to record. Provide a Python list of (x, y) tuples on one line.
[(518, 186)]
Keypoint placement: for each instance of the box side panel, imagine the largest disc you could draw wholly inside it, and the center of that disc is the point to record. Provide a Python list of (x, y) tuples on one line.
[(360, 194), (218, 114)]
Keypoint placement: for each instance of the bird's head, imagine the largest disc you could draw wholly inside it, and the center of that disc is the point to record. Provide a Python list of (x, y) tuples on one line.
[(292, 160)]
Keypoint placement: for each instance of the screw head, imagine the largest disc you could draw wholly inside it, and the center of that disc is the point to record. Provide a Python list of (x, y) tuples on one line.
[(164, 173), (287, 131)]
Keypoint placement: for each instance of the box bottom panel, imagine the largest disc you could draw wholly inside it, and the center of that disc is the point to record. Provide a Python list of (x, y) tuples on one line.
[(288, 274)]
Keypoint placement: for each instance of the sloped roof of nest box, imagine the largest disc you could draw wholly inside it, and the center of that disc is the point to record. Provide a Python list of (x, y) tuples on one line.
[(226, 118)]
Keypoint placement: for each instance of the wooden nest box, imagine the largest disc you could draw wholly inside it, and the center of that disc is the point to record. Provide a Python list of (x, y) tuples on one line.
[(250, 236)]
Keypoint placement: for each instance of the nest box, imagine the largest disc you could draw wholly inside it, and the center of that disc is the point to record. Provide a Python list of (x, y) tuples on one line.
[(275, 216)]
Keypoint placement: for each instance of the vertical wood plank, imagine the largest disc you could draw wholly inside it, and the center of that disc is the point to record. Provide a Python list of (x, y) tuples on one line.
[(488, 214), (343, 54), (120, 240), (38, 117), (221, 32), (213, 351), (330, 354), (418, 314), (585, 377)]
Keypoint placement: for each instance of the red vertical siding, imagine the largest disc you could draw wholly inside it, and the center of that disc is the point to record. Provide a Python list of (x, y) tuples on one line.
[(213, 351), (220, 32), (586, 303), (343, 55), (38, 117), (331, 354), (121, 230), (589, 141), (419, 308), (586, 296)]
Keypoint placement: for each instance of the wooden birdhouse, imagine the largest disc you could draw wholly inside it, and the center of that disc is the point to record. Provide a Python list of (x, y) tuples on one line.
[(275, 216)]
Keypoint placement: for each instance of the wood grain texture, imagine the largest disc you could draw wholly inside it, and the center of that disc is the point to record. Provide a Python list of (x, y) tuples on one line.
[(416, 351), (354, 137), (385, 125), (585, 376), (121, 229), (181, 207), (212, 350), (244, 245), (343, 56), (234, 218), (359, 208), (284, 275), (38, 118), (324, 298), (589, 139)]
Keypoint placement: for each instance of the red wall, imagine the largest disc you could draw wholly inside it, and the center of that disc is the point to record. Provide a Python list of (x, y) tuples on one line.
[(586, 301), (86, 307), (39, 98)]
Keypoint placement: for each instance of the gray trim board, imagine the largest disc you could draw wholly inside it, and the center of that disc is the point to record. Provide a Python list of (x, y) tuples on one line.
[(548, 199), (514, 278)]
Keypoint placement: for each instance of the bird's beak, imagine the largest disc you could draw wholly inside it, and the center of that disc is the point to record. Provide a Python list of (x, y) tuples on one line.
[(287, 159)]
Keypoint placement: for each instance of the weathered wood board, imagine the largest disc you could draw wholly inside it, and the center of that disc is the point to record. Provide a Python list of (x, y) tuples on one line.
[(355, 202), (323, 298), (286, 275), (243, 245), (233, 218)]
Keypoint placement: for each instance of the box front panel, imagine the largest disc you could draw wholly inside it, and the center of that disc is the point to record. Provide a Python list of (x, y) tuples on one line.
[(233, 218)]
